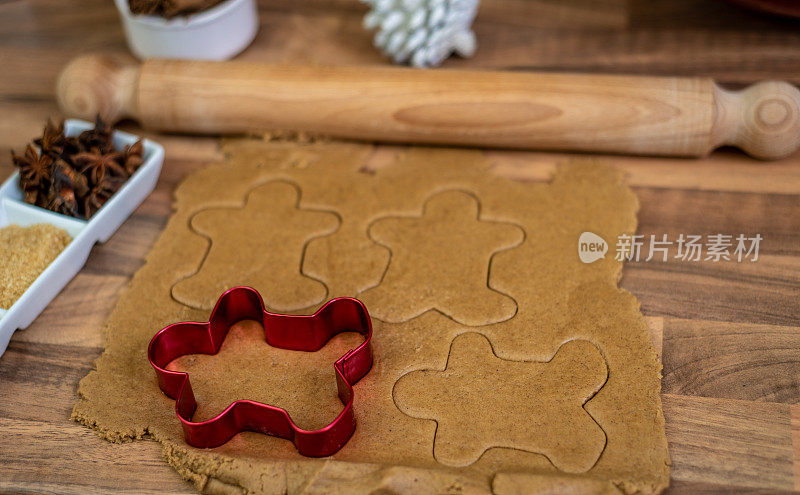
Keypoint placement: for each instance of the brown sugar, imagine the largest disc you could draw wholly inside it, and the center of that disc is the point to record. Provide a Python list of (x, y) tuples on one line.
[(26, 252)]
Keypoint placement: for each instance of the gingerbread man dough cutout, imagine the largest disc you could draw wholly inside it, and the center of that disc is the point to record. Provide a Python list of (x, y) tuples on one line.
[(441, 261), (261, 246), (481, 401)]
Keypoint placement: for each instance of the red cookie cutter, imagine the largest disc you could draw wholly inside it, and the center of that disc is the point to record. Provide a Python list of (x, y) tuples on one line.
[(302, 333)]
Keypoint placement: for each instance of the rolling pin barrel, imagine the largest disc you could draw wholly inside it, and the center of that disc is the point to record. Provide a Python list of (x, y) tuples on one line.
[(569, 112)]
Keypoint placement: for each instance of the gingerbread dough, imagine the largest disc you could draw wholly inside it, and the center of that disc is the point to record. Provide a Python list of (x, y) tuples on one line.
[(478, 399), (242, 250), (331, 222), (449, 238)]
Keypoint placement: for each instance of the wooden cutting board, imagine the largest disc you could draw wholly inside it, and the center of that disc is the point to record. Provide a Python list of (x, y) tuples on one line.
[(729, 334)]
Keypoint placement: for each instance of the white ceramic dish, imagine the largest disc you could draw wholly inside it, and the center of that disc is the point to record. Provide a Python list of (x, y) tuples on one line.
[(105, 222), (218, 33)]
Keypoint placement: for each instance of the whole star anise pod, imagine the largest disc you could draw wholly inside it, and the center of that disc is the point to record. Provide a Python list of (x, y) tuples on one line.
[(61, 198), (34, 173), (63, 174), (99, 137), (98, 196), (96, 164), (132, 157), (71, 147), (52, 142)]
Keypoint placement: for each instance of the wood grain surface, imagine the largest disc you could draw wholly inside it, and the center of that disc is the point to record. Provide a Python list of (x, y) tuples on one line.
[(728, 332)]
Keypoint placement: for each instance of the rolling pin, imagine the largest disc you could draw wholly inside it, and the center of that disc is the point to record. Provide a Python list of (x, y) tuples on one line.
[(678, 116)]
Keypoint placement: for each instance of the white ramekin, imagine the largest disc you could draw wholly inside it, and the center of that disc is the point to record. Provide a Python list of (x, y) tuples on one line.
[(215, 34)]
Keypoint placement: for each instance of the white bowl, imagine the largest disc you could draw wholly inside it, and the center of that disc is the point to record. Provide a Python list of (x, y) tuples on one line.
[(13, 209), (218, 33)]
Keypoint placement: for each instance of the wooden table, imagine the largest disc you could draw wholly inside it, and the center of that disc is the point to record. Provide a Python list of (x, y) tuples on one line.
[(729, 332)]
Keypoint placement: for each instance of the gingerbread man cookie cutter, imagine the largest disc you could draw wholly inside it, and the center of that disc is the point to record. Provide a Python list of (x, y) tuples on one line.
[(303, 333)]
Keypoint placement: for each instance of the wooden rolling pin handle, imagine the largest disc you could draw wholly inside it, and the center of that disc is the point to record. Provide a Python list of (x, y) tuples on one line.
[(99, 84), (763, 119), (618, 114)]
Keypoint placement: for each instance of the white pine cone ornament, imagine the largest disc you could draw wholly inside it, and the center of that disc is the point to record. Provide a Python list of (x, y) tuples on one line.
[(422, 33)]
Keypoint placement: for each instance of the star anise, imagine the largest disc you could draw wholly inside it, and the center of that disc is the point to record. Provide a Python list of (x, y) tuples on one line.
[(61, 198), (34, 173), (170, 8), (52, 141), (99, 137), (132, 157), (97, 197), (71, 147), (96, 164), (147, 7), (63, 174), (75, 175)]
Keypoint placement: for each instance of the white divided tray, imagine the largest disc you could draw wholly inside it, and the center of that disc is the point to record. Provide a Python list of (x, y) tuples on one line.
[(14, 210)]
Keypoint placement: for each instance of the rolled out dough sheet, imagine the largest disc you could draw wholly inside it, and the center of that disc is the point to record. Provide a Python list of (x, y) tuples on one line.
[(503, 364)]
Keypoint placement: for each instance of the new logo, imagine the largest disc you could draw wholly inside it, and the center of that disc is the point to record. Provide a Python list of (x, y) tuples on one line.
[(591, 247)]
